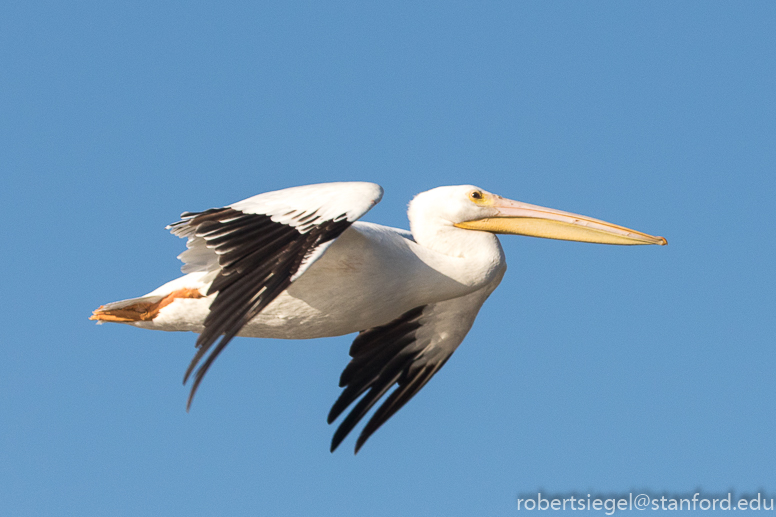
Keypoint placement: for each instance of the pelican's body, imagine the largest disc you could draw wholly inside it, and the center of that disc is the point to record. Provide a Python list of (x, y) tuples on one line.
[(296, 264), (369, 276)]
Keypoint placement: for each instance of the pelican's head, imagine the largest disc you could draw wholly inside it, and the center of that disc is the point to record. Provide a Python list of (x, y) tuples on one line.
[(472, 208)]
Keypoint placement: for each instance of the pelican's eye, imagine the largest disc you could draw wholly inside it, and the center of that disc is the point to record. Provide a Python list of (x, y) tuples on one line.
[(476, 196)]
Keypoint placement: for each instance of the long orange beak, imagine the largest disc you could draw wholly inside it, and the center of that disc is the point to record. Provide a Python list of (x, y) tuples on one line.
[(518, 218)]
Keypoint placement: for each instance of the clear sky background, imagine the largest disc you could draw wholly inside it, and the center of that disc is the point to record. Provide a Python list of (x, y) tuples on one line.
[(592, 369)]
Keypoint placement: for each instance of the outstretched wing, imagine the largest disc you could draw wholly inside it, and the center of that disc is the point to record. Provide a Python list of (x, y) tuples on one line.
[(258, 247), (407, 352)]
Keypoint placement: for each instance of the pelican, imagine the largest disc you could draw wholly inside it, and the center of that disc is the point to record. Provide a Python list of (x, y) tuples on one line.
[(298, 264)]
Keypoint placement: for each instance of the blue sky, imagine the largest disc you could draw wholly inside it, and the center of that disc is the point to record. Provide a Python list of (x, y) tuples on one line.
[(592, 369)]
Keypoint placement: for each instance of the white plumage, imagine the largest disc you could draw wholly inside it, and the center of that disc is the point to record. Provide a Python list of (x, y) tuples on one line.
[(296, 264)]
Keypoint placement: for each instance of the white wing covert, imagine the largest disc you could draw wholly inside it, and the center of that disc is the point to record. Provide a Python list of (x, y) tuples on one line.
[(259, 246)]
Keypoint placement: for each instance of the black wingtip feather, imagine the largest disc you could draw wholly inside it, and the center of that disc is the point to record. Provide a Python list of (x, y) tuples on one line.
[(361, 408), (257, 257), (409, 385), (382, 357)]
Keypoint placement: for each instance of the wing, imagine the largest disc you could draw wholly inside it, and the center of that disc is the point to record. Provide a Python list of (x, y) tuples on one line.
[(258, 247), (407, 352)]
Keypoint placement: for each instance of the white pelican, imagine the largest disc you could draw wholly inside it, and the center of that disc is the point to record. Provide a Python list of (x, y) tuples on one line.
[(296, 264)]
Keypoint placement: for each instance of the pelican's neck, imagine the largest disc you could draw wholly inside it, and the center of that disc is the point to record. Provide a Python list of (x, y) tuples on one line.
[(471, 257)]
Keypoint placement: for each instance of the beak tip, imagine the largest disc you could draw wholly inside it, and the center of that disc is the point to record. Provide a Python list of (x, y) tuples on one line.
[(662, 241)]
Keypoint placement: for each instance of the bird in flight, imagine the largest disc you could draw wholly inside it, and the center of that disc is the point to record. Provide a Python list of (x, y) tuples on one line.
[(298, 264)]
